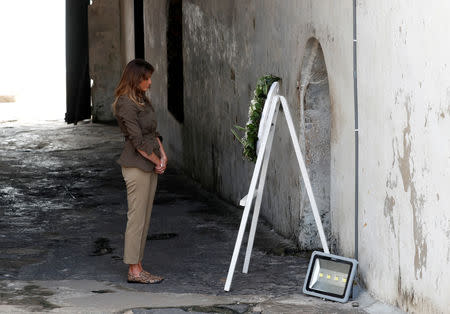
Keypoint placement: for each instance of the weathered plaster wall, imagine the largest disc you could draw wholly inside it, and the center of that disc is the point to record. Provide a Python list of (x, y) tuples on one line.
[(155, 25), (404, 91), (315, 131), (228, 45), (105, 62), (404, 88), (126, 31)]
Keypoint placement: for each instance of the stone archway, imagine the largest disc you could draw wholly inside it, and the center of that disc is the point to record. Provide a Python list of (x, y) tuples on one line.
[(315, 119)]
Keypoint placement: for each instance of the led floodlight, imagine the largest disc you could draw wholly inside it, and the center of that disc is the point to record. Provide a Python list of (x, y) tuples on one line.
[(330, 276)]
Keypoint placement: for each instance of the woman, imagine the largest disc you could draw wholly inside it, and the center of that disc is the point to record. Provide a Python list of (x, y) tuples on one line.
[(142, 159)]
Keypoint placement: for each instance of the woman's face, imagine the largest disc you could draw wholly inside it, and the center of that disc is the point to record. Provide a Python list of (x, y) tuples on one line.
[(144, 85)]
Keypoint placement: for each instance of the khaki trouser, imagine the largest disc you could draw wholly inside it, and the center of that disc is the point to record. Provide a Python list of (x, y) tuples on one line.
[(141, 188)]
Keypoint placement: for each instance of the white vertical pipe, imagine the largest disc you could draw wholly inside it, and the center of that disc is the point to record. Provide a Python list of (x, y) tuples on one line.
[(304, 174)]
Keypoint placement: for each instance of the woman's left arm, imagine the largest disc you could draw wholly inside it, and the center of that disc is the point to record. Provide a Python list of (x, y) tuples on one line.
[(163, 153)]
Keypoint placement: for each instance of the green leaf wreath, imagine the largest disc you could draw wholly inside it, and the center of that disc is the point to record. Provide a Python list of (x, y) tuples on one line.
[(255, 110)]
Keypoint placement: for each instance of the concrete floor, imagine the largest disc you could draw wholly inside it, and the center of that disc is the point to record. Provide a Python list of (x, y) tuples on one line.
[(63, 215)]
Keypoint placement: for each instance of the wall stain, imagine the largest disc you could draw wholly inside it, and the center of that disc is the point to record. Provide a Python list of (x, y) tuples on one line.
[(206, 33), (410, 302), (391, 183), (448, 100), (334, 115), (427, 115), (389, 203), (406, 295), (403, 162), (448, 255), (421, 248), (416, 201)]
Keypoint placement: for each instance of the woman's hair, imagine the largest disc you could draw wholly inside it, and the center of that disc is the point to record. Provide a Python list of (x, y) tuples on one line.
[(135, 72)]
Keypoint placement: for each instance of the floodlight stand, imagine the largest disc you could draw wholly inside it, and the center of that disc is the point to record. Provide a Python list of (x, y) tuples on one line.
[(266, 133)]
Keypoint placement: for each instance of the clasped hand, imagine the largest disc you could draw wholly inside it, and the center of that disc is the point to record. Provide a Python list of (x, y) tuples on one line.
[(159, 169)]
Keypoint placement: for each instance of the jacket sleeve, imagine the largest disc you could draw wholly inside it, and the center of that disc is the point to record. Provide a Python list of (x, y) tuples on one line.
[(127, 112)]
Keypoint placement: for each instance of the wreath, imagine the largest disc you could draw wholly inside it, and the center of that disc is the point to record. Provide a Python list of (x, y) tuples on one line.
[(255, 109)]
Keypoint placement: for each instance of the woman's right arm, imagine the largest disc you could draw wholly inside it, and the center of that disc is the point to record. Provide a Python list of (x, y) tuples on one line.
[(159, 167)]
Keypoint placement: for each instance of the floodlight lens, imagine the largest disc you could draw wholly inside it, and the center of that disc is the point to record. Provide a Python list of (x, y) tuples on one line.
[(329, 276)]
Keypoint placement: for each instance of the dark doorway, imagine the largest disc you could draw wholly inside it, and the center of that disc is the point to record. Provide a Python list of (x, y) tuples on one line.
[(175, 81), (77, 62), (139, 48)]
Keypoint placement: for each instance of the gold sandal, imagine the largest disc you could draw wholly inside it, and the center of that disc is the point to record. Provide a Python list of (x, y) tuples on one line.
[(153, 278), (141, 278)]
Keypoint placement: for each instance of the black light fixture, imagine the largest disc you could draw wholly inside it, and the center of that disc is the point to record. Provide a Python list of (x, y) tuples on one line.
[(330, 276)]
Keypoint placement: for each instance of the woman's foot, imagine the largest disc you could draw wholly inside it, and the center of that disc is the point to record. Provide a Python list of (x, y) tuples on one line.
[(153, 278), (135, 269), (141, 278), (156, 279), (137, 274)]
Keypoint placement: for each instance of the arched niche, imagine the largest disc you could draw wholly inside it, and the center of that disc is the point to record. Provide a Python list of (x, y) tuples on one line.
[(315, 120)]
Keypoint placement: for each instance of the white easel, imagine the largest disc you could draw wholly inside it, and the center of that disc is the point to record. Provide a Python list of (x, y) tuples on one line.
[(265, 134)]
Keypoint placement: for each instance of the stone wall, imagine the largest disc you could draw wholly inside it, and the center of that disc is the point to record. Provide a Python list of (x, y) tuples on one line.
[(126, 31), (227, 46), (404, 237), (404, 88), (173, 132), (105, 61)]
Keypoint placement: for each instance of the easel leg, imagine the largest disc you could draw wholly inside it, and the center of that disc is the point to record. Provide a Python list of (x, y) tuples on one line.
[(305, 176), (246, 212), (259, 195)]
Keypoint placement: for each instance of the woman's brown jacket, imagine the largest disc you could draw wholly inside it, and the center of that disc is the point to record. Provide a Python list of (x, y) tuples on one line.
[(138, 125)]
